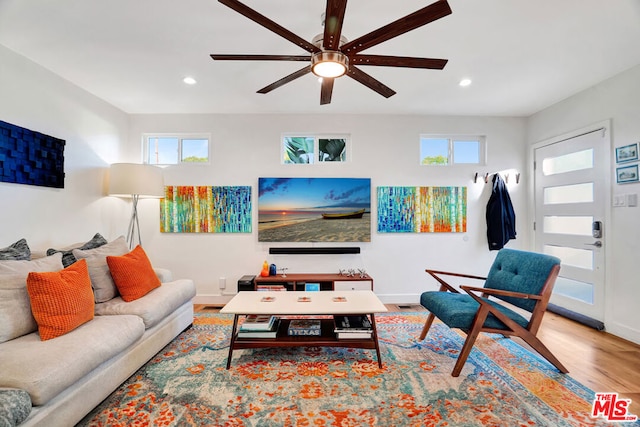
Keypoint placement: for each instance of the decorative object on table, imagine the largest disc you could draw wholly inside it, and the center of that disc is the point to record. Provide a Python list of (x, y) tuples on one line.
[(265, 269), (284, 271), (422, 209), (272, 270), (627, 153), (31, 158), (292, 209), (500, 216), (135, 181), (625, 174), (206, 209), (304, 327)]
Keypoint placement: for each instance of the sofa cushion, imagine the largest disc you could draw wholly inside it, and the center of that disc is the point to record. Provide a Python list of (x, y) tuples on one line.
[(61, 301), (15, 308), (15, 406), (102, 283), (67, 254), (133, 274), (154, 306), (46, 368), (16, 251)]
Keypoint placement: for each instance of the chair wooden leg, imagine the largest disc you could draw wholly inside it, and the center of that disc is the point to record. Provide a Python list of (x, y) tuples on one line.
[(472, 334), (542, 349), (427, 326)]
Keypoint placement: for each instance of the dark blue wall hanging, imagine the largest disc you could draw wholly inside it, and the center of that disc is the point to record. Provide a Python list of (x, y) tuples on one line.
[(32, 158)]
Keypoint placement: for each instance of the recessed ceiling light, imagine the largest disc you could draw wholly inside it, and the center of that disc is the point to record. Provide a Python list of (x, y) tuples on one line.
[(189, 80), (465, 82)]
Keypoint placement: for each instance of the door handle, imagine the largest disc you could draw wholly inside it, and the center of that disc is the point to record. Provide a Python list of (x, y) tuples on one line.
[(597, 244)]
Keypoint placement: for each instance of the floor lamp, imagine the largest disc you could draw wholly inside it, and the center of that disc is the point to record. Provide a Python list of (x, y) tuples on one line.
[(135, 181)]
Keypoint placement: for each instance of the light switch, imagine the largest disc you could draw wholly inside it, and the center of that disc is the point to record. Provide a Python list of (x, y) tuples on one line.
[(619, 200), (632, 200)]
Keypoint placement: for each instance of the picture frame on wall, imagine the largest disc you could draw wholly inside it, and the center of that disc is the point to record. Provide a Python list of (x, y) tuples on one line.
[(627, 153), (626, 174), (313, 148)]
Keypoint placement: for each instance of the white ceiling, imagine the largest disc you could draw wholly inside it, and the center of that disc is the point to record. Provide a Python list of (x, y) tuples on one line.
[(521, 55)]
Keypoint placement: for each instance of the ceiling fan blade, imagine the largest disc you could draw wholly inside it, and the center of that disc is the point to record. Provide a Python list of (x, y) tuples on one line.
[(226, 57), (291, 77), (410, 22), (326, 91), (398, 61), (370, 82), (269, 24), (333, 19)]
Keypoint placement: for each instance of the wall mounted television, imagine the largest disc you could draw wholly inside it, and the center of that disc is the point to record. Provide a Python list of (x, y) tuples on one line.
[(314, 210)]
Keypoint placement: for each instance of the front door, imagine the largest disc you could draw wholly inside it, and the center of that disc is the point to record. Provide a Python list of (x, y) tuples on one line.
[(571, 194)]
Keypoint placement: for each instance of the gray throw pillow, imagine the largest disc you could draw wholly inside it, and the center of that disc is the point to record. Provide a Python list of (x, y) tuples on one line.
[(17, 251), (15, 305), (67, 255), (102, 283)]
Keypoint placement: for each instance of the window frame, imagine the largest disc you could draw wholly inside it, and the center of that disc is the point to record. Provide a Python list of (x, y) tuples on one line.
[(452, 139), (146, 137)]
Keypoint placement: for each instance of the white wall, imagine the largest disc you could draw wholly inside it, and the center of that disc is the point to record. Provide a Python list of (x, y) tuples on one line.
[(384, 148), (34, 98), (617, 99)]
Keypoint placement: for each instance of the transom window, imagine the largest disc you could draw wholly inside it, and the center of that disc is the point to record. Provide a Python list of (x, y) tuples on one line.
[(452, 150), (173, 149)]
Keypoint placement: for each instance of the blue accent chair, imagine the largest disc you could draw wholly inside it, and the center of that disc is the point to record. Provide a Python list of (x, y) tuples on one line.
[(522, 279)]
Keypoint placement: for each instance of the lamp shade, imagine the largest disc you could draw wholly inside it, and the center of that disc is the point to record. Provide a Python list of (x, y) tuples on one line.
[(129, 179)]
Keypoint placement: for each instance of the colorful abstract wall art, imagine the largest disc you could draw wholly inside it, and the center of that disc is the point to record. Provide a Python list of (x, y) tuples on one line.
[(422, 209), (204, 209), (29, 157)]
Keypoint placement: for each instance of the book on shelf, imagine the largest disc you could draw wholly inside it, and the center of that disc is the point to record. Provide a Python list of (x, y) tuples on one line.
[(269, 333), (304, 327), (273, 288), (359, 323), (258, 322), (354, 335)]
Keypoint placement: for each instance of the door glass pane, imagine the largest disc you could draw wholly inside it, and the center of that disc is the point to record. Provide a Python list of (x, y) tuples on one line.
[(576, 225), (574, 289), (576, 193), (568, 162), (581, 258)]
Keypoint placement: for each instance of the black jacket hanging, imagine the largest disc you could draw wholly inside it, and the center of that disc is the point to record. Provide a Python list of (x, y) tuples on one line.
[(501, 218)]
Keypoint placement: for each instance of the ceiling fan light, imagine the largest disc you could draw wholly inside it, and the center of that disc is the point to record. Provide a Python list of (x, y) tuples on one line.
[(329, 64)]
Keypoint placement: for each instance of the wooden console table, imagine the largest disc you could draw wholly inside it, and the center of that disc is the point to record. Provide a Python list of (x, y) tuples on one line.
[(328, 282)]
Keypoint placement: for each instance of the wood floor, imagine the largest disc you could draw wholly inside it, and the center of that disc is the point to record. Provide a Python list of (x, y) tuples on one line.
[(599, 360)]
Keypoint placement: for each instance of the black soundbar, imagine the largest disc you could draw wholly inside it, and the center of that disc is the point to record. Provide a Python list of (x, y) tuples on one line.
[(314, 251)]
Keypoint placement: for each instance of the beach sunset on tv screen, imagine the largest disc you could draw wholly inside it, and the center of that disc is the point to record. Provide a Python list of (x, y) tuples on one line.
[(314, 210)]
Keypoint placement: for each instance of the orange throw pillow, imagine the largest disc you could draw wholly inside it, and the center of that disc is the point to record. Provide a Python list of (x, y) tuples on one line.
[(62, 300), (133, 274)]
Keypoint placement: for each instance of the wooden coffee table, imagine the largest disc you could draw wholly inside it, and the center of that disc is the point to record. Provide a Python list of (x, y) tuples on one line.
[(292, 304)]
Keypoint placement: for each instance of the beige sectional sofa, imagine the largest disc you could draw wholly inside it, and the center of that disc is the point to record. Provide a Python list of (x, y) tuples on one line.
[(67, 376)]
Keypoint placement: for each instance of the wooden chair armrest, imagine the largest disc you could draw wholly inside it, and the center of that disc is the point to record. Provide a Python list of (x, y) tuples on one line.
[(444, 286), (499, 292)]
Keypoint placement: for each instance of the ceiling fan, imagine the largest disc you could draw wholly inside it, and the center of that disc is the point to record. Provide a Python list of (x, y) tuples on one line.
[(333, 56)]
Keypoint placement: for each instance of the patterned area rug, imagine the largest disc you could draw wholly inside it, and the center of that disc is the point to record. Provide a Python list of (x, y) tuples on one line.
[(502, 384)]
